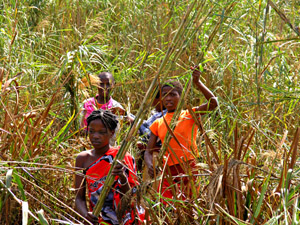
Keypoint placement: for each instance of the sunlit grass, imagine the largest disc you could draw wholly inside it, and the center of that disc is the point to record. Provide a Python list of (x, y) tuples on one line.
[(250, 57)]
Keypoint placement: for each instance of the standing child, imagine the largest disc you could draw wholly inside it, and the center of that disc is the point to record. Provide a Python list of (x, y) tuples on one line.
[(144, 130), (185, 130), (158, 112), (96, 163), (103, 100)]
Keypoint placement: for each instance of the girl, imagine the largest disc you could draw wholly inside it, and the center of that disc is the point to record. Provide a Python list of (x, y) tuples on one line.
[(185, 130), (101, 125)]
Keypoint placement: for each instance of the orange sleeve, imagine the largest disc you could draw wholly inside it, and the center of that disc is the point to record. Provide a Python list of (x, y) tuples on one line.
[(154, 127)]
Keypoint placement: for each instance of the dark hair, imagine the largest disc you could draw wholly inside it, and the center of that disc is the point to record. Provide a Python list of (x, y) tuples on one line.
[(107, 74), (107, 118), (158, 92), (157, 95), (176, 85)]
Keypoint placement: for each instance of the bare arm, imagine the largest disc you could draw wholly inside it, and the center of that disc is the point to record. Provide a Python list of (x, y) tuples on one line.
[(122, 112), (119, 171), (80, 186), (210, 97), (149, 153), (130, 119)]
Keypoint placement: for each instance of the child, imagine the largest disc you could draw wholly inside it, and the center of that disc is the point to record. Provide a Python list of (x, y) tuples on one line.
[(144, 131), (158, 112), (101, 125), (185, 130), (103, 100)]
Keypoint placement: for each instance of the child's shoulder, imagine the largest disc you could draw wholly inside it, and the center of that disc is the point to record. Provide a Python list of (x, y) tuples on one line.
[(90, 100), (83, 157), (113, 150), (84, 154), (186, 112)]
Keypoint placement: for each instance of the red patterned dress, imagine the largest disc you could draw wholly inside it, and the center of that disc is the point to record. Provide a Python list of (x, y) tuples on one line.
[(96, 176)]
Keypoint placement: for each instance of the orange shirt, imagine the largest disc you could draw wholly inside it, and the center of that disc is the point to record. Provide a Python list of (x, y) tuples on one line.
[(99, 105), (185, 131)]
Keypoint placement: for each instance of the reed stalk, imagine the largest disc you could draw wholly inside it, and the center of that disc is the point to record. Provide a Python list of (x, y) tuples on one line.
[(139, 117)]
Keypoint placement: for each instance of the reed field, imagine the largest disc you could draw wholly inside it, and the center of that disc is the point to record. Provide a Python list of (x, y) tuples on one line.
[(249, 55)]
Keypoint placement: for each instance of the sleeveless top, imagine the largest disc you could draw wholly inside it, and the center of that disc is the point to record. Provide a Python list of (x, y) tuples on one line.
[(96, 175)]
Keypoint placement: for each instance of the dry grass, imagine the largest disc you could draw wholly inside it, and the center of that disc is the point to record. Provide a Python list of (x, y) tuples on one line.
[(248, 166)]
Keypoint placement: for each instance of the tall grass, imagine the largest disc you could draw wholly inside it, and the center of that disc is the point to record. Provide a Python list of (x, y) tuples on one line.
[(248, 162)]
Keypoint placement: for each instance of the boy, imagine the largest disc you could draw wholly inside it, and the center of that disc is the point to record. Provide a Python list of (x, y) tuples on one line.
[(185, 130), (103, 100)]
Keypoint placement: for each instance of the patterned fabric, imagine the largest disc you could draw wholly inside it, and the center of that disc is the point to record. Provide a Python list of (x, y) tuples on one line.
[(96, 176), (144, 130), (90, 105)]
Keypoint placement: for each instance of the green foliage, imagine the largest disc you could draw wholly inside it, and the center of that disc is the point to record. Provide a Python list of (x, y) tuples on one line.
[(248, 52)]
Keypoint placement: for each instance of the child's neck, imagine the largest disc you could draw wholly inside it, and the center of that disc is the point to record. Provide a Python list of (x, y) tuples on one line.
[(102, 99), (102, 151), (172, 111)]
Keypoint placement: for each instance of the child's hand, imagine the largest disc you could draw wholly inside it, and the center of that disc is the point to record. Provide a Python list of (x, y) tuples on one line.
[(129, 119), (119, 171), (151, 170), (117, 111), (196, 73)]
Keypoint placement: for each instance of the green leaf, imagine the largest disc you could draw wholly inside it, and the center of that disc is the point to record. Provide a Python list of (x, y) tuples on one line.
[(261, 198), (42, 218), (20, 185), (236, 220), (63, 130), (274, 220)]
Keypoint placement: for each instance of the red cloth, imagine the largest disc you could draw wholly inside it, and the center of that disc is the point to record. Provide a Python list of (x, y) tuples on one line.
[(179, 186), (96, 176)]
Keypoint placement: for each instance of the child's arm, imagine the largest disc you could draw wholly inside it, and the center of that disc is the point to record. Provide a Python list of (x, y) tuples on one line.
[(130, 119), (211, 98), (80, 186), (119, 171), (120, 111), (149, 153)]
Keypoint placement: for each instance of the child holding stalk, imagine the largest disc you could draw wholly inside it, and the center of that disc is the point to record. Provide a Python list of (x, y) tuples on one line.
[(96, 163), (180, 151)]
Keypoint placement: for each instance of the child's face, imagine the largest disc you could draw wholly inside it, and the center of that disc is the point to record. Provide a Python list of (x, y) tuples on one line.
[(170, 98), (99, 135), (106, 83)]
